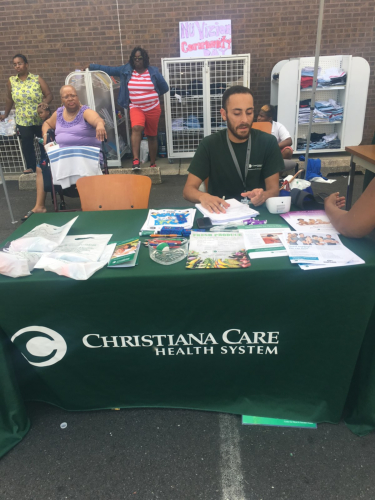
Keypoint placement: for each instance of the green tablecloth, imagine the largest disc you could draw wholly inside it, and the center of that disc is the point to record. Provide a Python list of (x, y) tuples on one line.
[(299, 367)]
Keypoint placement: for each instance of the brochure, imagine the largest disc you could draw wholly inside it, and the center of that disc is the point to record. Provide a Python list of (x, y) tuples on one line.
[(311, 248), (217, 251), (264, 241), (309, 220), (125, 253), (237, 211), (351, 259), (277, 422), (43, 238), (156, 219)]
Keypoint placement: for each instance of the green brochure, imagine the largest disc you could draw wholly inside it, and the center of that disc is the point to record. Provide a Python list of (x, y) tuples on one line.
[(125, 253)]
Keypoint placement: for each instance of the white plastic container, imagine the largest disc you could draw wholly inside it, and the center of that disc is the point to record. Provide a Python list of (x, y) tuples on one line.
[(278, 204)]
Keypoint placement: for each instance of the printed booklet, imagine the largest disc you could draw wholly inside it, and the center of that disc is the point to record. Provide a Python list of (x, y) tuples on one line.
[(217, 251), (125, 253), (156, 219)]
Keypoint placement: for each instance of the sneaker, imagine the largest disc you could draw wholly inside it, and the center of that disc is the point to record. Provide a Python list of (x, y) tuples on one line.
[(136, 164), (153, 165)]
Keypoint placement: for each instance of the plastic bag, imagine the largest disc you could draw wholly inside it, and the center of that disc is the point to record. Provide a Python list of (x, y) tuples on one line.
[(17, 264), (8, 126), (76, 270)]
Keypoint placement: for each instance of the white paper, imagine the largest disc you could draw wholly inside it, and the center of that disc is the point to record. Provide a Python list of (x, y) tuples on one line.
[(351, 260), (78, 270), (43, 238), (236, 211), (309, 220), (264, 242), (309, 248), (79, 248)]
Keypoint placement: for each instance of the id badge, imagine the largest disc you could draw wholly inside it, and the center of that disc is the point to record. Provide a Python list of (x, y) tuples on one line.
[(245, 201)]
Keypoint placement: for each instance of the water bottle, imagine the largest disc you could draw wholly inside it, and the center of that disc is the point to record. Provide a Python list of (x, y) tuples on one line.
[(162, 145)]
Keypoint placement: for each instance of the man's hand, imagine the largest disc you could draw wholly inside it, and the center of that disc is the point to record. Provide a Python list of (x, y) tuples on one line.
[(257, 196), (3, 117), (213, 204), (335, 200)]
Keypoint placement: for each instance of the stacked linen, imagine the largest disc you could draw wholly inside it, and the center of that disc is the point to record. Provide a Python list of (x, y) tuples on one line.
[(326, 78), (307, 74), (324, 112), (320, 141), (331, 77), (330, 110)]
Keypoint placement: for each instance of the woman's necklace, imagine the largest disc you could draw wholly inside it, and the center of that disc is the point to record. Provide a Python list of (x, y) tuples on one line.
[(70, 118)]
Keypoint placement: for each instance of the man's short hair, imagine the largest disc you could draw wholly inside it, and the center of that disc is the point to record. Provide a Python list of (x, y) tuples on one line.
[(236, 89)]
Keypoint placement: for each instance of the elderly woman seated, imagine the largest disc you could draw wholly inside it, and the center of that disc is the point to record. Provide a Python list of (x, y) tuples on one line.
[(74, 125)]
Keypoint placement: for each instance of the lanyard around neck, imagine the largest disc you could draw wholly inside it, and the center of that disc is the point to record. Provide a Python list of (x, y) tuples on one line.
[(235, 161)]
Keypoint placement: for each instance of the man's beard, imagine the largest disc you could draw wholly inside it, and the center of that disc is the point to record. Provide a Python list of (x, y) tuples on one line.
[(235, 133)]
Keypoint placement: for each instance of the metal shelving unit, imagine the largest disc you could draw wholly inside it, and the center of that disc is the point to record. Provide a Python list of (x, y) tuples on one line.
[(287, 94), (192, 106), (99, 91)]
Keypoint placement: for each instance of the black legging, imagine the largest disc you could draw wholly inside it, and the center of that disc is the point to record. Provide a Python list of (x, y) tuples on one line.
[(27, 139)]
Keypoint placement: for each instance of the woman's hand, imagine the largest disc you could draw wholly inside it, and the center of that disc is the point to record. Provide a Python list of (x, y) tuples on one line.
[(101, 134), (2, 118), (335, 200)]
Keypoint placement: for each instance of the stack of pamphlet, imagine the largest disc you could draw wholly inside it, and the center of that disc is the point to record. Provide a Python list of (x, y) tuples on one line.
[(156, 219), (236, 212), (315, 244)]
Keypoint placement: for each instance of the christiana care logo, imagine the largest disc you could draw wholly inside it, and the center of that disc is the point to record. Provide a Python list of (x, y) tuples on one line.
[(42, 346), (43, 350)]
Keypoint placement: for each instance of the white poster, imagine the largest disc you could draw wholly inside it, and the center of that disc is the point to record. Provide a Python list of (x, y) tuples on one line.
[(205, 38)]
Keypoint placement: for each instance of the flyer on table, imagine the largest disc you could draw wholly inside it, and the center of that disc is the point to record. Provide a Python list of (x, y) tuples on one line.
[(309, 220), (310, 248), (217, 251), (264, 241)]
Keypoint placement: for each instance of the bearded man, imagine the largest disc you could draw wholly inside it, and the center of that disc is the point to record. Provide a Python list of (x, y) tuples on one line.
[(239, 162)]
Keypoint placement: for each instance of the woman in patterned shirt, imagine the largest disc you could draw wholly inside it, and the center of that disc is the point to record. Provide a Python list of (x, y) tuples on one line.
[(140, 89), (26, 91)]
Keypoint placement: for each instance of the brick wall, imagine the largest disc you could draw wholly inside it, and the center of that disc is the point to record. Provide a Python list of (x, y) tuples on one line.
[(60, 36)]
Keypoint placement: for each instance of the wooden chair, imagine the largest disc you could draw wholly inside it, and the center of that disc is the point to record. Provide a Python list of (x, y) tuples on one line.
[(114, 192), (263, 126)]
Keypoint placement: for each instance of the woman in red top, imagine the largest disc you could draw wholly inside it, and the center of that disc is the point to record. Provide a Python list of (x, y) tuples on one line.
[(144, 107), (140, 89)]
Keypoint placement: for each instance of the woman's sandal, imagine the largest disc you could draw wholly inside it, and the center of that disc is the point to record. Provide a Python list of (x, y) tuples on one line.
[(27, 216), (29, 171)]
